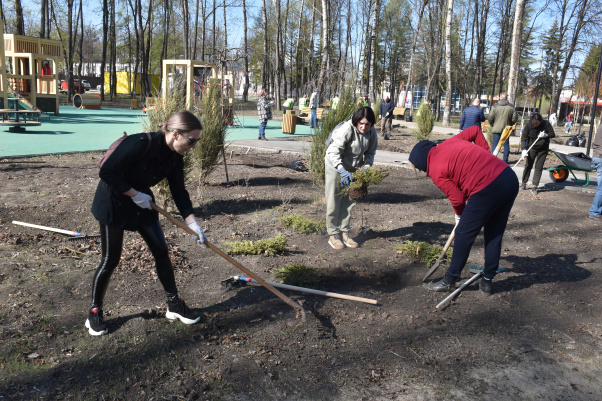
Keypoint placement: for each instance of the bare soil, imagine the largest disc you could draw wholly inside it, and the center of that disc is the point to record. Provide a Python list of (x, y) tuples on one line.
[(539, 336)]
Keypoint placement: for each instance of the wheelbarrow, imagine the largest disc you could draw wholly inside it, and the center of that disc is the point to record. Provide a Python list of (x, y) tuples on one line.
[(571, 162)]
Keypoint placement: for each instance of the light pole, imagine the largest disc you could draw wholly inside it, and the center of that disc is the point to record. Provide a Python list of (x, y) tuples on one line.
[(372, 38)]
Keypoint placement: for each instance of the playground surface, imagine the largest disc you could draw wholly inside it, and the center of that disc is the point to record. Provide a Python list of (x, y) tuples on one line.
[(81, 130)]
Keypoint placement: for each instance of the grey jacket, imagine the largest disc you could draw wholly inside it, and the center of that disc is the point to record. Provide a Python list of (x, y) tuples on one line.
[(350, 148), (597, 143)]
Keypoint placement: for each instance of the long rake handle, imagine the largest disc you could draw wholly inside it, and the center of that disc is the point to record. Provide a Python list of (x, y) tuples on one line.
[(522, 157), (457, 291), (443, 252), (56, 230), (324, 293), (221, 253)]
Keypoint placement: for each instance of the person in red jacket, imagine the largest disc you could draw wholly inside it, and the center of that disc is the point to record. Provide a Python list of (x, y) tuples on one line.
[(481, 189)]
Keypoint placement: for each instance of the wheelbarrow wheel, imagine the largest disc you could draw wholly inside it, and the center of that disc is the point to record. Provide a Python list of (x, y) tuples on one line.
[(559, 174)]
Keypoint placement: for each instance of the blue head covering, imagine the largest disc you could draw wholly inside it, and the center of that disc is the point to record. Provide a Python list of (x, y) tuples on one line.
[(419, 154)]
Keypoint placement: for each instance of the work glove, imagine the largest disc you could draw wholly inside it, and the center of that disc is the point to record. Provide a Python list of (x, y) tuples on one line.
[(143, 200), (346, 178), (366, 167), (525, 153), (387, 115), (380, 116), (457, 218), (542, 135), (200, 234)]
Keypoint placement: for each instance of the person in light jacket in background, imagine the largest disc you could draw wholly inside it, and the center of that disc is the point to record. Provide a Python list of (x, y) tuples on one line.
[(353, 145), (313, 105), (481, 189), (537, 133), (472, 116), (264, 110)]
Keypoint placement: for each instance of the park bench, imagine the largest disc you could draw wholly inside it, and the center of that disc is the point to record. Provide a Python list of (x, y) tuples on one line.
[(399, 113), (305, 114)]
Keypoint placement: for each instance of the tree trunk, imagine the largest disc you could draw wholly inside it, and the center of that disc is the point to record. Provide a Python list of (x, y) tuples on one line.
[(225, 26), (196, 29), (245, 91), (264, 74), (81, 47), (113, 40), (409, 83), (186, 28), (278, 55), (105, 33), (298, 53), (325, 42), (448, 59), (372, 66), (20, 26), (480, 58), (515, 54)]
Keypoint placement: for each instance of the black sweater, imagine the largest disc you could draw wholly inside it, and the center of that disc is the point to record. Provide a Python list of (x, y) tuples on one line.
[(131, 166)]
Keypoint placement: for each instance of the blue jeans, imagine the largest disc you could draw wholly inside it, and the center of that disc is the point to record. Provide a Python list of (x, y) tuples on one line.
[(496, 139), (262, 129), (313, 121), (568, 126), (596, 209)]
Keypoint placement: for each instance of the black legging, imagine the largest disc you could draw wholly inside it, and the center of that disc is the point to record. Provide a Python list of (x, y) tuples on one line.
[(112, 243)]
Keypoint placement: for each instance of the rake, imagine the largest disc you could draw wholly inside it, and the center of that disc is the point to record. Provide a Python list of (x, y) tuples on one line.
[(74, 235)]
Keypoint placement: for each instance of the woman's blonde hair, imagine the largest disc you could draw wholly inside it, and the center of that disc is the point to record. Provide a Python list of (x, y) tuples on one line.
[(182, 121)]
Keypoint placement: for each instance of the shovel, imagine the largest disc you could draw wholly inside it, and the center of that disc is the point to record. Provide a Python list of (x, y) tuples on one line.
[(221, 253), (443, 252)]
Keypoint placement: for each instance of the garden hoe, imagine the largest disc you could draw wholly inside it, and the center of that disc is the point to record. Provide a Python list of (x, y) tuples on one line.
[(74, 235), (238, 281), (249, 273), (443, 252)]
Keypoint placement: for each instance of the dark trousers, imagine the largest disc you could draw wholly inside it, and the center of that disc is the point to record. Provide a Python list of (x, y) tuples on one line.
[(111, 245), (537, 156), (494, 142), (488, 209)]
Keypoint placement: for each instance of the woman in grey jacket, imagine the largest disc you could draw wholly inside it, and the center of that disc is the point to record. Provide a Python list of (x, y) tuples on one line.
[(353, 146)]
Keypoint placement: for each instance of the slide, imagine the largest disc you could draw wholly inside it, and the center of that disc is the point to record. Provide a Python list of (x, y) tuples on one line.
[(24, 104)]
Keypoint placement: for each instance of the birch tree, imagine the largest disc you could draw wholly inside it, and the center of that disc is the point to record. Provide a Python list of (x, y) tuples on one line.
[(517, 33), (448, 67)]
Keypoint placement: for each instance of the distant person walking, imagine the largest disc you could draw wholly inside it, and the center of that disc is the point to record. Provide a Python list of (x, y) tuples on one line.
[(313, 105), (386, 114), (569, 122), (264, 110), (502, 114), (537, 133), (472, 116)]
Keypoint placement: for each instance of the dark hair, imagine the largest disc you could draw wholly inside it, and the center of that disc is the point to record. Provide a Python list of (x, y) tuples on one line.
[(361, 113), (183, 121), (536, 117)]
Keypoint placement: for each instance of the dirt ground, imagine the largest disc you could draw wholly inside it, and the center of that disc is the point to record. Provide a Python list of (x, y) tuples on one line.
[(539, 336)]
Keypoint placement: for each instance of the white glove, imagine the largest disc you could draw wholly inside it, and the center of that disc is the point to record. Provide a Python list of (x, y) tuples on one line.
[(200, 234), (542, 135), (380, 116), (143, 200), (525, 153), (457, 217), (387, 115)]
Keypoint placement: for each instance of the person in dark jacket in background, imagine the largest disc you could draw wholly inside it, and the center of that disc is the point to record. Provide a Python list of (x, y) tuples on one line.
[(122, 203), (481, 189), (472, 116), (502, 114), (537, 133), (386, 113)]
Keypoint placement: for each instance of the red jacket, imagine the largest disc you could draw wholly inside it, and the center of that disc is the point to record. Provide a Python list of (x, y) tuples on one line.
[(461, 168)]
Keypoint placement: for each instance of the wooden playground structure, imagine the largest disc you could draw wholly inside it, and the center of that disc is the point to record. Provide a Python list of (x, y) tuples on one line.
[(28, 78), (190, 77)]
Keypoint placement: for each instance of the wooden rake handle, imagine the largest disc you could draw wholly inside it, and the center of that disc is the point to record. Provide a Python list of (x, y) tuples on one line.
[(221, 253), (443, 252)]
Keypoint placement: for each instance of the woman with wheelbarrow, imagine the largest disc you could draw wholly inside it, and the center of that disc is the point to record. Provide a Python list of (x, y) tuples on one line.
[(481, 189), (122, 203), (535, 142)]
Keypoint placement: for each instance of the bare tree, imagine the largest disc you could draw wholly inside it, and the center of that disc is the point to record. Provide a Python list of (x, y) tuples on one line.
[(517, 33), (409, 82), (480, 57), (325, 42), (264, 74), (374, 32), (20, 25), (448, 67), (245, 91), (278, 55)]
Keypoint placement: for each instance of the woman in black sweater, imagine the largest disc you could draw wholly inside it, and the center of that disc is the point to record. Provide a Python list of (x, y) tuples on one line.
[(122, 202)]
